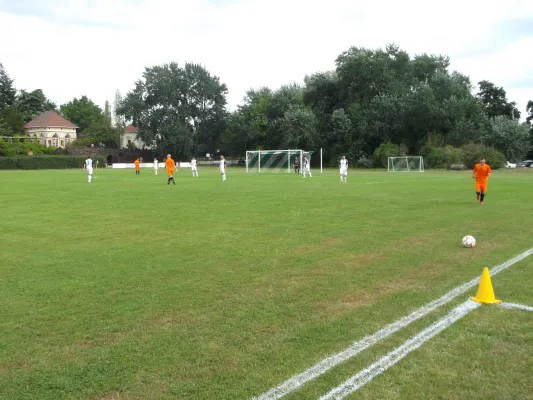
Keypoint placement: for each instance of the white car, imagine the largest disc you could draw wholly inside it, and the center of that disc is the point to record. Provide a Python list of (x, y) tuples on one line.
[(510, 165)]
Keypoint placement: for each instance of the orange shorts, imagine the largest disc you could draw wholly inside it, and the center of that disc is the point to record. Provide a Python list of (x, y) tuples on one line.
[(481, 186), (170, 172), (137, 169)]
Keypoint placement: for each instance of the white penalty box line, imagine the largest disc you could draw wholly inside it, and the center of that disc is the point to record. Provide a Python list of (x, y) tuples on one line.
[(357, 347), (389, 360)]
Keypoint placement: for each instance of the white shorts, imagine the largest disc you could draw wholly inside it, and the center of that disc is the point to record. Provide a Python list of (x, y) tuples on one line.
[(222, 171), (90, 170), (344, 171), (193, 169)]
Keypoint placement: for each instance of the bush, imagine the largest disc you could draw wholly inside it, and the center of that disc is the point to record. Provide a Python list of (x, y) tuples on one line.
[(383, 152), (81, 142), (363, 162), (21, 148), (441, 157), (45, 162), (475, 152)]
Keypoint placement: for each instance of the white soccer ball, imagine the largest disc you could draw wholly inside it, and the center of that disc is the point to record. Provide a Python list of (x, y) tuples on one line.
[(469, 241)]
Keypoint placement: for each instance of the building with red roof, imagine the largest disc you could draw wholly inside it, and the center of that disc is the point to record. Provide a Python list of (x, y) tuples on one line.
[(129, 138), (51, 129)]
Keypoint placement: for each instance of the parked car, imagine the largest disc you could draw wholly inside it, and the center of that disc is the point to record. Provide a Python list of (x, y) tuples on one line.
[(510, 165), (526, 163)]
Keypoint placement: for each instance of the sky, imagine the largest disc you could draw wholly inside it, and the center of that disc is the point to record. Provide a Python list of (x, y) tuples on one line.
[(71, 48)]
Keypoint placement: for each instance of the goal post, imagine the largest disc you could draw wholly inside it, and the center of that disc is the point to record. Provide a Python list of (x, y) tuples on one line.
[(275, 161), (405, 164)]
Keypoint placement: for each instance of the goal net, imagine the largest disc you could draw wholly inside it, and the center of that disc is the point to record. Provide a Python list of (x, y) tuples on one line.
[(276, 161), (405, 164)]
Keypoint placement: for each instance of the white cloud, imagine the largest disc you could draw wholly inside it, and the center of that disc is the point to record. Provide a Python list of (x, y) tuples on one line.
[(72, 48)]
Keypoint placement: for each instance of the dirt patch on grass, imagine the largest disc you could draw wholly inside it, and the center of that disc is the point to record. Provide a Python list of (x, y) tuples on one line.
[(365, 297), (103, 340), (6, 369), (109, 396)]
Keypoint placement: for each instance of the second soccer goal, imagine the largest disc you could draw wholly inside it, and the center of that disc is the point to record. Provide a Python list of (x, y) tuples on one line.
[(405, 164), (276, 161)]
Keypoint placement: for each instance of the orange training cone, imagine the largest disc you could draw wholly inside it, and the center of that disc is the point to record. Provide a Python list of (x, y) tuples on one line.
[(485, 292)]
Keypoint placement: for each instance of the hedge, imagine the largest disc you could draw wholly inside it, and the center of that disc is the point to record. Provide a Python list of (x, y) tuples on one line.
[(46, 162), (17, 148)]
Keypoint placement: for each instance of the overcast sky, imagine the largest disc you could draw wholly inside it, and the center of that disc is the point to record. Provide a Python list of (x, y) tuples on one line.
[(71, 48)]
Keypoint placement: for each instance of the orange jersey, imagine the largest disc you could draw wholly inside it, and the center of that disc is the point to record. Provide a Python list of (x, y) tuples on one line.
[(137, 164), (170, 165), (481, 172)]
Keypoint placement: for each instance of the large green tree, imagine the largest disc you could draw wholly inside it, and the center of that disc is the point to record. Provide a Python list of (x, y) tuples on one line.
[(509, 136), (101, 130), (178, 109), (529, 109), (33, 103), (7, 90), (494, 99), (13, 119), (83, 112), (299, 128)]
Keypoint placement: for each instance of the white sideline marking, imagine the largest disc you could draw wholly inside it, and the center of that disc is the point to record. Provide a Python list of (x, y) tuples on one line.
[(514, 305), (358, 346), (366, 375), (412, 180)]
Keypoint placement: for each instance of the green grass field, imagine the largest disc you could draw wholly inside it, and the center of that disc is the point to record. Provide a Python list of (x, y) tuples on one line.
[(127, 288)]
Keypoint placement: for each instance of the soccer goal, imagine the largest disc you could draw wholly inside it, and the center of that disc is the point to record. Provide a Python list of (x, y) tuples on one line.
[(276, 161), (405, 164)]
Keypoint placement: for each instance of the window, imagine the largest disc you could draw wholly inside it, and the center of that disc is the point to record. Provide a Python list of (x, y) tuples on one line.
[(49, 142), (129, 142), (62, 143), (67, 139), (55, 140)]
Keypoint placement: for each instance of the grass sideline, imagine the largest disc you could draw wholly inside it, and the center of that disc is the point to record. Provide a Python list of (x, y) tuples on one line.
[(127, 288)]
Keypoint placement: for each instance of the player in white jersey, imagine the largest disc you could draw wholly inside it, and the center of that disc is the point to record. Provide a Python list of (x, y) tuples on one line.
[(343, 171), (194, 168), (156, 166), (222, 168), (307, 167), (89, 167)]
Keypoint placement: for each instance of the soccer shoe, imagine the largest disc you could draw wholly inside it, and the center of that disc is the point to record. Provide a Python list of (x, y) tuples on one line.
[(481, 202)]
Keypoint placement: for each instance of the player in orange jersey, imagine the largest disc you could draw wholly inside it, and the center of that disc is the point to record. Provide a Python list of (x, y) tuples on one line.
[(170, 165), (481, 173), (137, 167)]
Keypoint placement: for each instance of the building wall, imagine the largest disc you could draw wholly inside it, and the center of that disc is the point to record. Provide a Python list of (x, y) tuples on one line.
[(131, 138), (46, 135)]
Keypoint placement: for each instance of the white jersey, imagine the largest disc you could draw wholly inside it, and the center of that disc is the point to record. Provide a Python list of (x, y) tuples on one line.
[(193, 164), (306, 165), (156, 164), (344, 165), (222, 166), (88, 164)]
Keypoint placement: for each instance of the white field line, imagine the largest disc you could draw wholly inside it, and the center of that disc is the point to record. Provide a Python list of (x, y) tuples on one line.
[(412, 180), (357, 347), (518, 306), (381, 365)]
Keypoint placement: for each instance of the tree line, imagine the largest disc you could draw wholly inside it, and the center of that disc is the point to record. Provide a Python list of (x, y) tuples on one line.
[(375, 103)]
